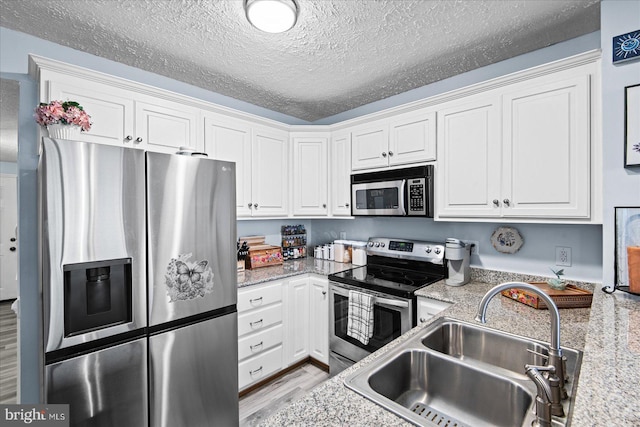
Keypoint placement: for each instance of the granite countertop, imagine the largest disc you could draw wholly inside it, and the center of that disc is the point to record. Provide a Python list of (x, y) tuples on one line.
[(607, 333), (290, 268)]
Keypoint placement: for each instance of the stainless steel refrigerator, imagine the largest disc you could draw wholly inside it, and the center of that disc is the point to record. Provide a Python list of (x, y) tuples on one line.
[(139, 286)]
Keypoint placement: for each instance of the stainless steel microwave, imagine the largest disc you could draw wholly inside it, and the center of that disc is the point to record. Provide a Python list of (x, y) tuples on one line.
[(396, 192)]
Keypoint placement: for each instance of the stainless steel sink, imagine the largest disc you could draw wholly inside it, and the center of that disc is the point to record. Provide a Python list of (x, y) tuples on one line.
[(463, 374)]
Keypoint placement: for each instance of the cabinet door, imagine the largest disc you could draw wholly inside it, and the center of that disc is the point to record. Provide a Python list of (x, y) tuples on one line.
[(369, 146), (230, 140), (297, 329), (310, 176), (166, 126), (546, 149), (469, 158), (269, 180), (319, 318), (111, 110), (340, 175), (412, 138)]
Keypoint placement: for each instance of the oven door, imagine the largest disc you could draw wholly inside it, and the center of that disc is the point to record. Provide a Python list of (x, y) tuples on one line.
[(379, 198), (391, 318)]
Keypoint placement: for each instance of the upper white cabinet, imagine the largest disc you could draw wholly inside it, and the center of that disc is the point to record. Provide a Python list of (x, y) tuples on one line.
[(126, 118), (469, 167), (340, 176), (260, 155), (403, 139), (310, 171), (230, 140), (521, 151), (269, 177)]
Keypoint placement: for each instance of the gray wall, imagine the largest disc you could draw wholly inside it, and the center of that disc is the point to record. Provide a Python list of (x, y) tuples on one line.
[(621, 186)]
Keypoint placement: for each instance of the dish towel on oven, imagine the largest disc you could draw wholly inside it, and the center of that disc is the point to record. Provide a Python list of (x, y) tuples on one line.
[(360, 316)]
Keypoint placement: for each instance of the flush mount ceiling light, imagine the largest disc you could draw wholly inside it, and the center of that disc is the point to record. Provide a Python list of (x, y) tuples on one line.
[(272, 16)]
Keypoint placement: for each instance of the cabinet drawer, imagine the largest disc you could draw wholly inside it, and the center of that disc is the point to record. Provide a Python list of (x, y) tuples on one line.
[(255, 297), (256, 343), (259, 367), (257, 320)]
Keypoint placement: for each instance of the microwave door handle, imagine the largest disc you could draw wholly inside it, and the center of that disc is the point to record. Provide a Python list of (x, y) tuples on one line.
[(403, 198), (393, 303)]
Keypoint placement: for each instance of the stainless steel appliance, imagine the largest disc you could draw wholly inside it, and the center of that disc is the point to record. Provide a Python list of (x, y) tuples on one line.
[(458, 256), (123, 230), (397, 192), (396, 269)]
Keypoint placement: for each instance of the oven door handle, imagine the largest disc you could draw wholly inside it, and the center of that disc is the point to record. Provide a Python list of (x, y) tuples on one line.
[(393, 303)]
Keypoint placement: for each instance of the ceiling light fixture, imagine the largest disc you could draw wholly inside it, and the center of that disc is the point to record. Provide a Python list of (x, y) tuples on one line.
[(272, 16)]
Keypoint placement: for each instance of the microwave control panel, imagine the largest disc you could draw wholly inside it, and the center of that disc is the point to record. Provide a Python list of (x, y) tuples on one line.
[(417, 194)]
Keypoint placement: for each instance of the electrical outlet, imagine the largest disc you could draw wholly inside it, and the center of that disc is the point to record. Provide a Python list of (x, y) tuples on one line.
[(343, 235), (563, 256), (475, 249)]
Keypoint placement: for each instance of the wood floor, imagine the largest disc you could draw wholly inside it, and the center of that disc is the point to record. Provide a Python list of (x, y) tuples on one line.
[(8, 354), (258, 405)]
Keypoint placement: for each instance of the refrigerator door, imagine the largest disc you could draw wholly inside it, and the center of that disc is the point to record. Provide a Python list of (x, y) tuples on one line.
[(193, 374), (191, 220), (92, 218), (103, 389)]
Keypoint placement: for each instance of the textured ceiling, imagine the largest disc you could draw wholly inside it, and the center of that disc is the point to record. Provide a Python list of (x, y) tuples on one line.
[(340, 55)]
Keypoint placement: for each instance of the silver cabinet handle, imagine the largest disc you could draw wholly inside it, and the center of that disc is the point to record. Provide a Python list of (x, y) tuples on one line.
[(258, 322), (324, 205), (251, 301), (255, 346), (384, 154), (255, 205), (252, 373), (390, 153), (249, 205), (506, 202), (346, 205), (422, 320), (139, 140), (496, 202), (324, 292), (128, 137)]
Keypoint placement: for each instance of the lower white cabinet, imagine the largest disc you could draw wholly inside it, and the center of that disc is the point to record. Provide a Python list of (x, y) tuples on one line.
[(260, 332), (428, 307), (319, 318), (297, 320)]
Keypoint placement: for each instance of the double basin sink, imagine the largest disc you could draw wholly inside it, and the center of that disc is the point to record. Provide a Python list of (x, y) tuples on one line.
[(460, 374)]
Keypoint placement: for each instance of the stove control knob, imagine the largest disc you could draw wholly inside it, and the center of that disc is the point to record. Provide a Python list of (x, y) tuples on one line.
[(370, 244), (437, 251), (377, 244), (382, 244), (428, 249)]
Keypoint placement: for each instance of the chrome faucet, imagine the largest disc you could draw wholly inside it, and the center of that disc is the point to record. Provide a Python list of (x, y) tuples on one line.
[(556, 377)]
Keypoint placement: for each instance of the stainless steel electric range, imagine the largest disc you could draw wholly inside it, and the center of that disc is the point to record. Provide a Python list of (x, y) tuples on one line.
[(395, 269)]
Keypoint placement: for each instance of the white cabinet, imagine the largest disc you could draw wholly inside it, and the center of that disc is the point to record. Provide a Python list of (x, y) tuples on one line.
[(546, 148), (340, 175), (310, 174), (319, 318), (428, 308), (522, 151), (469, 166), (269, 172), (297, 306), (230, 140), (126, 118), (260, 332), (404, 139), (261, 163), (306, 307)]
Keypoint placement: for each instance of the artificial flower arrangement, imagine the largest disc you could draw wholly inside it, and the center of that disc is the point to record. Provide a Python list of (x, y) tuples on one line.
[(66, 113)]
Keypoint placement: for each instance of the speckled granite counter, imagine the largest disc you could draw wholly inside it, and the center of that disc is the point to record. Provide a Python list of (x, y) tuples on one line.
[(290, 268), (608, 334)]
